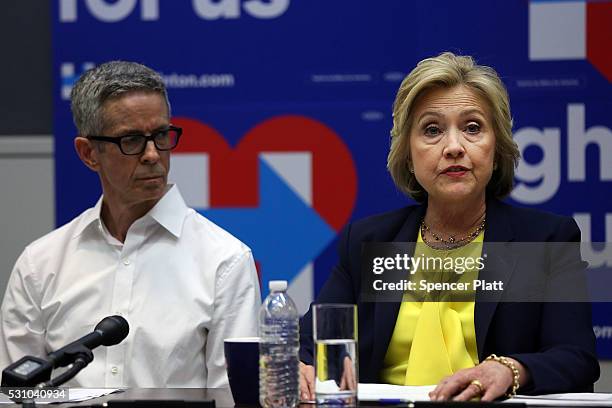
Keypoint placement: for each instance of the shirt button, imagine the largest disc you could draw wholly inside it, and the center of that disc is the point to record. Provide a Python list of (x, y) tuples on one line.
[(126, 262), (114, 370)]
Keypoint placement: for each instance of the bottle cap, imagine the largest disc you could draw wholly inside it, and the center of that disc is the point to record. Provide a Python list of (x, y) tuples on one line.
[(277, 286)]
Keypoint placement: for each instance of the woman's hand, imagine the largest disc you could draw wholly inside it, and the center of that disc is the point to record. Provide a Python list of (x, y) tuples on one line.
[(348, 380), (307, 384), (494, 378)]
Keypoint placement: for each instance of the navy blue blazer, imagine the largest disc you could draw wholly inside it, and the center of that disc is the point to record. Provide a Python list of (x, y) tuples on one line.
[(554, 341)]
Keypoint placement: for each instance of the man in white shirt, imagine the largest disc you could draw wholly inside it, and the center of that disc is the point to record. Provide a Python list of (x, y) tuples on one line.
[(181, 282)]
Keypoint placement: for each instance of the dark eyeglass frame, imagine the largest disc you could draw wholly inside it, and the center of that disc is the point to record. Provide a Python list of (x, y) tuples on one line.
[(152, 136)]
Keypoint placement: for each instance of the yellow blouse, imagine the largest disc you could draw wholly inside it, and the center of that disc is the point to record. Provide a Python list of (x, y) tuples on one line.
[(434, 339)]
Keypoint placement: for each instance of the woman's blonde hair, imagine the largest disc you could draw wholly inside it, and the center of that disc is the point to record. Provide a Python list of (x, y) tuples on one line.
[(446, 71)]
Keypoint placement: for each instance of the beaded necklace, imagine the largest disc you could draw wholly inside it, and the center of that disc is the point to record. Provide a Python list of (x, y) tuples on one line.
[(451, 242)]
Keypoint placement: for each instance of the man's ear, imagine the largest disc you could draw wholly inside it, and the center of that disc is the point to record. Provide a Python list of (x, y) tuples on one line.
[(87, 152)]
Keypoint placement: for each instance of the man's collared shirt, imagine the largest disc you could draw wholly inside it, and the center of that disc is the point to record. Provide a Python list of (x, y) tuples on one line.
[(182, 283)]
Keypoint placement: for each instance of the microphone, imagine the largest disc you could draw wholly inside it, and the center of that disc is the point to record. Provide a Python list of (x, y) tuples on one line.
[(110, 331), (30, 371)]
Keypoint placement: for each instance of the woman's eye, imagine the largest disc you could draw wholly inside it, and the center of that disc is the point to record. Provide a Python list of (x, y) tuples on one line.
[(432, 130), (472, 128)]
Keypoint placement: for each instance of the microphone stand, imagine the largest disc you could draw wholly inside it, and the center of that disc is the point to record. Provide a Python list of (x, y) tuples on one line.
[(32, 371), (80, 356)]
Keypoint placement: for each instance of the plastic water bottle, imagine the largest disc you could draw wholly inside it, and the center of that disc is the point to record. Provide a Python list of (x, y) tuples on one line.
[(278, 349)]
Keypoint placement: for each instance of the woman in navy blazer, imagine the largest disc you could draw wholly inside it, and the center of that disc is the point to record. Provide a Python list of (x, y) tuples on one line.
[(452, 151)]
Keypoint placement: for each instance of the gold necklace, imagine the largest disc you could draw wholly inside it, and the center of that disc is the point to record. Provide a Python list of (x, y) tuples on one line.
[(452, 242)]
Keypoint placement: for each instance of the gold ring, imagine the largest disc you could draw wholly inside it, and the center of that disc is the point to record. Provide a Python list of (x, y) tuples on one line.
[(478, 385)]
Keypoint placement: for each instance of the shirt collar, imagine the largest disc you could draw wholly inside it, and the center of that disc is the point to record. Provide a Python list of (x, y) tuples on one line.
[(91, 217), (169, 212)]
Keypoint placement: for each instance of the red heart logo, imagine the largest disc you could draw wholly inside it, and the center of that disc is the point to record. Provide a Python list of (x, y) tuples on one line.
[(334, 178)]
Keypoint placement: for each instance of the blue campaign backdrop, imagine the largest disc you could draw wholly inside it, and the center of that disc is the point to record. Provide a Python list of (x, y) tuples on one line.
[(286, 107)]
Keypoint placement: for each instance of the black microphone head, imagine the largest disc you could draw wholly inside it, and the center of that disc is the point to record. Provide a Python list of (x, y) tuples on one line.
[(113, 330)]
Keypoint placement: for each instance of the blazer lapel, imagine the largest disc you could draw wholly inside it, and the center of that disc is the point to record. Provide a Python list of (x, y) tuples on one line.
[(499, 266), (385, 311)]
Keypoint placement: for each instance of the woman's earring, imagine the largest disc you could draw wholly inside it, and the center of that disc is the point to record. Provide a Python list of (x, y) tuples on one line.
[(494, 165)]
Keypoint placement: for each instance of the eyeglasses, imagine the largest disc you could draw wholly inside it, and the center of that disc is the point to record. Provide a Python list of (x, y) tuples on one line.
[(165, 139)]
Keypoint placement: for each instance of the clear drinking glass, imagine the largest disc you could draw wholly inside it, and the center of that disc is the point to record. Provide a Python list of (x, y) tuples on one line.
[(336, 368)]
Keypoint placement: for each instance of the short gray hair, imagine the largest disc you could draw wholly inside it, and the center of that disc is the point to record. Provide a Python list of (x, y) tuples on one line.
[(107, 81)]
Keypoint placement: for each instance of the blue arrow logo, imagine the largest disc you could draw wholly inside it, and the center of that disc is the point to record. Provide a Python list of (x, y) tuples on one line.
[(283, 232)]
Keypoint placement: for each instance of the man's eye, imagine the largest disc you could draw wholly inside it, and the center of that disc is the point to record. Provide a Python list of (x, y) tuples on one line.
[(132, 139), (472, 128), (162, 134), (432, 130)]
